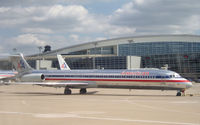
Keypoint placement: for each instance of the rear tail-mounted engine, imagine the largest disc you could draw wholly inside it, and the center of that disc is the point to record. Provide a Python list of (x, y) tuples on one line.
[(34, 77)]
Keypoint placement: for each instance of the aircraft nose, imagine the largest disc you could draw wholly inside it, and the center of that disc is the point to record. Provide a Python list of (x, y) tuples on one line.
[(189, 85)]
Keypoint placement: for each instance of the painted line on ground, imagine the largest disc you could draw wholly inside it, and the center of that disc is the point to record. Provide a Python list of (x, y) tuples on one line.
[(68, 115)]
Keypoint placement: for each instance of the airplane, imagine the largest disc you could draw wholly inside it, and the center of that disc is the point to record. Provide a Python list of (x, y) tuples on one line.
[(146, 78), (6, 76)]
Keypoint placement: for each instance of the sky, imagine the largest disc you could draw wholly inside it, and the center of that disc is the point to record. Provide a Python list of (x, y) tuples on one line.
[(27, 24)]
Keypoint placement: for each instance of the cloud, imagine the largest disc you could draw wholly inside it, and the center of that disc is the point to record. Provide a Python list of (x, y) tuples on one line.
[(4, 9), (37, 30), (73, 11), (26, 43), (74, 37), (117, 31), (29, 39), (63, 23), (158, 16), (58, 19), (38, 2), (139, 1), (49, 2)]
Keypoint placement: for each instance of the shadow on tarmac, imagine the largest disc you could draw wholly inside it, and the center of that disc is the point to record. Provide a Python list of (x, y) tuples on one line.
[(44, 93), (94, 93), (134, 95)]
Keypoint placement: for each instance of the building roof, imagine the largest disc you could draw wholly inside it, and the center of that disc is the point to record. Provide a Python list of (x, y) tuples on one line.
[(125, 40)]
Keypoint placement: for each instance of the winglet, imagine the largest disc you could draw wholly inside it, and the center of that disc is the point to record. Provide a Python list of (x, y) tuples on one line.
[(63, 65)]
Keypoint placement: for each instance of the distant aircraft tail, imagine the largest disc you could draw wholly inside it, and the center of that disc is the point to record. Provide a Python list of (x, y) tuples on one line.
[(63, 65), (20, 64)]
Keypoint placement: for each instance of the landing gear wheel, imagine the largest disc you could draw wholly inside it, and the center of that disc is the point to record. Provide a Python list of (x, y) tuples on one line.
[(67, 91), (83, 91), (178, 94)]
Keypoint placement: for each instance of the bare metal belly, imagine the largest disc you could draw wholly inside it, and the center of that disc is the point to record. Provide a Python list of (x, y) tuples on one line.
[(141, 85)]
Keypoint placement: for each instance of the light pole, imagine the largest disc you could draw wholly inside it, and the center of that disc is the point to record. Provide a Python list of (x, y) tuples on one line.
[(40, 50)]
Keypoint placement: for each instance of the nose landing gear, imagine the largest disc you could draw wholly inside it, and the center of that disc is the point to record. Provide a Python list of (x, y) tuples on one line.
[(180, 93)]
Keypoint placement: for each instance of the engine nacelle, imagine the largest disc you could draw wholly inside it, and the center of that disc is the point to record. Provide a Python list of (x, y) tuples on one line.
[(34, 77)]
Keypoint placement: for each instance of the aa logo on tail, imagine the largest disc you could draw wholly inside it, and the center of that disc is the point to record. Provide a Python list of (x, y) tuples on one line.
[(21, 64), (64, 65)]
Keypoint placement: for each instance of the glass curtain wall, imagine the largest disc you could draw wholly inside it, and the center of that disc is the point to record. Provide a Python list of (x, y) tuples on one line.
[(181, 57), (114, 62)]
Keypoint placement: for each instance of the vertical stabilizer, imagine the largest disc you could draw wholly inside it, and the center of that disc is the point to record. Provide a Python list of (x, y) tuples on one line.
[(20, 64), (63, 65)]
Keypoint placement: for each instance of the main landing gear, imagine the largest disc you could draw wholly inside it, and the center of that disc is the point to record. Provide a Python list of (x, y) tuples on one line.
[(83, 91), (68, 91), (180, 93)]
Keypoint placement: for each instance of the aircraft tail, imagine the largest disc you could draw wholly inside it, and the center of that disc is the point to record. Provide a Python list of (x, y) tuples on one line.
[(63, 65), (20, 64)]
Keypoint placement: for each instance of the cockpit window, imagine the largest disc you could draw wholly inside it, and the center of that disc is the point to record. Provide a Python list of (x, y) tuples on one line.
[(177, 75)]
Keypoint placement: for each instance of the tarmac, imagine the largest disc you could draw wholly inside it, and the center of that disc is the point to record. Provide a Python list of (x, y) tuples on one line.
[(36, 105)]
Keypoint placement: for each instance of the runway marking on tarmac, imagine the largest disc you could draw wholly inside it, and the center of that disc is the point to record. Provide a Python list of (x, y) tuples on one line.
[(69, 115), (158, 108), (185, 102), (55, 115), (86, 112), (23, 102)]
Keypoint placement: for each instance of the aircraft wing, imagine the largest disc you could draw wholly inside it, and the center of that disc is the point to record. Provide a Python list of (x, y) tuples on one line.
[(7, 80), (59, 84)]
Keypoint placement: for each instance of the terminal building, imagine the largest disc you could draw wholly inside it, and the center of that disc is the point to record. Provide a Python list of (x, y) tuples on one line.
[(179, 53)]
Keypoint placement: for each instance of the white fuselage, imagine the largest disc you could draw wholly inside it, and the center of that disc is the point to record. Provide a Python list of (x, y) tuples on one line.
[(131, 79)]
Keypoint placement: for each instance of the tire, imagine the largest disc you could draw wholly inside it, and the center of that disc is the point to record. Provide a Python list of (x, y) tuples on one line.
[(178, 94), (67, 92), (83, 91)]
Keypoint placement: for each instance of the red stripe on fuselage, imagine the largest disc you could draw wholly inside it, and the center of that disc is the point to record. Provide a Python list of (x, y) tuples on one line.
[(7, 75), (118, 80)]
